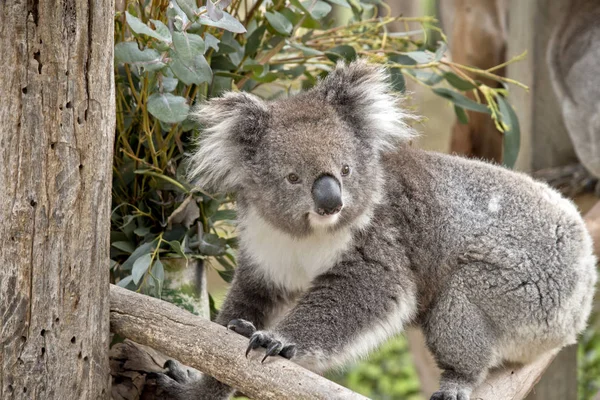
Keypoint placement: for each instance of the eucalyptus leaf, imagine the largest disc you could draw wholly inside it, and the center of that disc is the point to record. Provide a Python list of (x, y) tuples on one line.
[(227, 22), (169, 84), (254, 40), (512, 134), (125, 281), (141, 250), (213, 11), (189, 8), (158, 271), (307, 51), (177, 248), (461, 114), (458, 82), (461, 100), (212, 245), (127, 247), (140, 266), (341, 52), (195, 71), (211, 41), (167, 107), (441, 50), (227, 276), (318, 9), (397, 79), (129, 53), (280, 23), (141, 28), (420, 57), (427, 77), (188, 46)]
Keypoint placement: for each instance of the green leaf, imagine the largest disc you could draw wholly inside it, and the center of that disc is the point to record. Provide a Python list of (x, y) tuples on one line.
[(189, 8), (461, 100), (227, 22), (143, 249), (169, 84), (212, 245), (512, 135), (168, 179), (254, 40), (344, 51), (319, 10), (168, 108), (342, 3), (129, 53), (188, 46), (458, 82), (402, 59), (461, 115), (142, 231), (227, 276), (127, 247), (195, 71), (211, 41), (280, 23), (141, 28), (140, 266), (420, 57), (307, 51), (224, 215), (158, 271), (398, 81), (427, 77), (161, 29), (177, 248), (125, 281), (439, 53)]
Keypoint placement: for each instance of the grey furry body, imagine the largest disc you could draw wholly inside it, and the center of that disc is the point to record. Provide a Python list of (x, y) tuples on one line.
[(493, 265)]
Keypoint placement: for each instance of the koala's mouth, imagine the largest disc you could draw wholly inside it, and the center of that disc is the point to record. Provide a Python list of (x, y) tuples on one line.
[(323, 220)]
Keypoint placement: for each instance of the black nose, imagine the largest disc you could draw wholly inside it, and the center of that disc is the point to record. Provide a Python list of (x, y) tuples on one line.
[(327, 195)]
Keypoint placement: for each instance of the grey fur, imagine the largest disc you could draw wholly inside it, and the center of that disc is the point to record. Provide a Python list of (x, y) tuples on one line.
[(493, 265)]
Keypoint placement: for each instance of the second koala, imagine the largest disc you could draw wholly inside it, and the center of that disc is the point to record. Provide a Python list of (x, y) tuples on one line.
[(347, 235)]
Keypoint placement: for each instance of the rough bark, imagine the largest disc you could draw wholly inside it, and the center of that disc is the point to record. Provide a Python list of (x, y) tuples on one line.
[(477, 33), (57, 128), (214, 350)]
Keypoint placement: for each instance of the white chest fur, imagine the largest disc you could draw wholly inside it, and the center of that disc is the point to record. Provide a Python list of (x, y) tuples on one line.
[(290, 262)]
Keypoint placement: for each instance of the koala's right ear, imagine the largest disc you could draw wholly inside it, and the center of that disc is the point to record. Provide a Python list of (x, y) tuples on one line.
[(232, 127)]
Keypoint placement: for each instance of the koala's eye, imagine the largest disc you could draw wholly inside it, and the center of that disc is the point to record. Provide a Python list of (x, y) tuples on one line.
[(293, 178), (345, 170)]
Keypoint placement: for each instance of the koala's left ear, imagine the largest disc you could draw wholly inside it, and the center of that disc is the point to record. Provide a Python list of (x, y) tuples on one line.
[(232, 128), (362, 94)]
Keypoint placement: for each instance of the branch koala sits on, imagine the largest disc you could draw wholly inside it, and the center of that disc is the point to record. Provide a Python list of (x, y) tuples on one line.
[(347, 235)]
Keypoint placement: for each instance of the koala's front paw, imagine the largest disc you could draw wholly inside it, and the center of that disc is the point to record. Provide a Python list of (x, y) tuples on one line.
[(273, 345), (175, 383), (241, 326), (450, 395)]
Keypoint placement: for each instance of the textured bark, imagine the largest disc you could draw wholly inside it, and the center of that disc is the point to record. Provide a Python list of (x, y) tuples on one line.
[(214, 350), (57, 128), (477, 33)]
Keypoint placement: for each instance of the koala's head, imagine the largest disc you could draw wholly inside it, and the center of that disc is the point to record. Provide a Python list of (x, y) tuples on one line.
[(305, 163)]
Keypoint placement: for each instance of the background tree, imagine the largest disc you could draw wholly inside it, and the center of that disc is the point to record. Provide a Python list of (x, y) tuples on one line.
[(57, 119)]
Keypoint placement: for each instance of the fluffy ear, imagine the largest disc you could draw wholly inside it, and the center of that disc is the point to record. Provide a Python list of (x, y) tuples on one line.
[(232, 127), (363, 95)]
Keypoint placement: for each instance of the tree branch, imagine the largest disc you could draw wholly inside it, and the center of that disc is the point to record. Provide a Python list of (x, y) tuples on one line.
[(214, 350)]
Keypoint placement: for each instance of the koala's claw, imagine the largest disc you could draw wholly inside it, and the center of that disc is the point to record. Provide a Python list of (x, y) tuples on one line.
[(274, 347), (449, 395), (241, 326)]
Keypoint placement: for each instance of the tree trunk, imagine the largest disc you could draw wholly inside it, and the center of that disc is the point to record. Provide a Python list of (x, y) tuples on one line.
[(56, 139)]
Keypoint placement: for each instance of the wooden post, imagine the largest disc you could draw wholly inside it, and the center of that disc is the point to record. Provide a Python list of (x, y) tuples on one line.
[(56, 140), (545, 141)]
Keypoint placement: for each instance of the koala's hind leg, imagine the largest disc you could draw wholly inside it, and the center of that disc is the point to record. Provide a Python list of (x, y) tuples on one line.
[(462, 343)]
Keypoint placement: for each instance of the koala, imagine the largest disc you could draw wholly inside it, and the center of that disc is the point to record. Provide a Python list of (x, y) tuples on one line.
[(348, 234)]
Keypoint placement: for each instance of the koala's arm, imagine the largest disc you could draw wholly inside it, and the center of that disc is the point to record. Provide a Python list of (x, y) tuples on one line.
[(348, 311), (250, 299)]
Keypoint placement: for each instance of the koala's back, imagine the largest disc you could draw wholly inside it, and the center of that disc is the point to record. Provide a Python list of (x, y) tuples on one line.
[(514, 248)]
